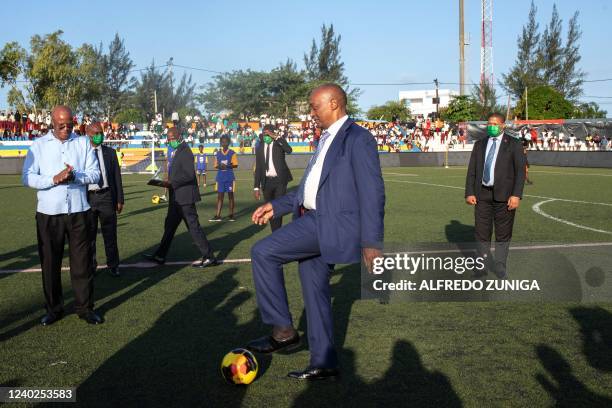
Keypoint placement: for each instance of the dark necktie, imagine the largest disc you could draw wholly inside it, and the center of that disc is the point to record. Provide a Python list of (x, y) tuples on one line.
[(268, 153), (489, 163)]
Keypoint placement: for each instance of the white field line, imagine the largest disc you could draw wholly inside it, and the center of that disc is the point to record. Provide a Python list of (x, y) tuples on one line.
[(536, 208), (571, 174), (512, 248), (525, 195), (148, 265), (137, 265)]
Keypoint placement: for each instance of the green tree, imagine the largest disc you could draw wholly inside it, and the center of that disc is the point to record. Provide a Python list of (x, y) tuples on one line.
[(244, 93), (590, 110), (130, 115), (169, 98), (571, 78), (117, 81), (462, 108), (323, 64), (391, 110), (544, 102), (551, 49), (526, 70), (484, 100), (12, 57)]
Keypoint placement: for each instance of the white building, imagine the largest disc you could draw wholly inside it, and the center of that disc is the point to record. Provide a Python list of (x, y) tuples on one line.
[(421, 102)]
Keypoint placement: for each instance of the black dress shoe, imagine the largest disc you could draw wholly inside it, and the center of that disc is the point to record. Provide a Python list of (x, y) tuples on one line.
[(114, 272), (154, 258), (205, 262), (313, 373), (49, 319), (91, 317), (269, 344)]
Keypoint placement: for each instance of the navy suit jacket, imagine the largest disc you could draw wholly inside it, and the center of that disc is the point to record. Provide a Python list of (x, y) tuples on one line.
[(350, 200)]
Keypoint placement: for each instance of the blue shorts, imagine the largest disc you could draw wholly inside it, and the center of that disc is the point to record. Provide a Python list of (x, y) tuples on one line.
[(201, 171), (226, 186)]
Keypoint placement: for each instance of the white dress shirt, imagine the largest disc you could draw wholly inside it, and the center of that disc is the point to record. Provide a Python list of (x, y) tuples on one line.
[(311, 186), (268, 152), (103, 177), (498, 141)]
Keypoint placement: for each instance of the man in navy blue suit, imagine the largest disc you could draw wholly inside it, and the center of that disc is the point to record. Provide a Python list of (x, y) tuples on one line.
[(338, 213)]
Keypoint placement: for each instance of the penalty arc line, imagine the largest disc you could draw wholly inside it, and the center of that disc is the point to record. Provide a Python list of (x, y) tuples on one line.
[(537, 209)]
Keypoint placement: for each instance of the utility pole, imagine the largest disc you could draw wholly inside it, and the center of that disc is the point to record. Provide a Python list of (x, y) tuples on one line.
[(155, 100), (461, 50), (437, 99), (169, 63)]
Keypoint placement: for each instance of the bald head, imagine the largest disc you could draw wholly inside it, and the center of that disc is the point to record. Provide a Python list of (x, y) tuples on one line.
[(61, 118), (173, 133), (327, 104)]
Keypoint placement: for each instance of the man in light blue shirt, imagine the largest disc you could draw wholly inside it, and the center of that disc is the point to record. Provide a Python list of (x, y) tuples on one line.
[(60, 165)]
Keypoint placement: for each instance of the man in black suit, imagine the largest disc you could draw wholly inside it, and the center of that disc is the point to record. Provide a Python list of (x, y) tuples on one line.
[(105, 199), (494, 185), (183, 191), (271, 171)]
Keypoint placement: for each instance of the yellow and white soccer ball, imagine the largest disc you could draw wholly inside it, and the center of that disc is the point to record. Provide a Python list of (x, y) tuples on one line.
[(155, 199), (239, 366)]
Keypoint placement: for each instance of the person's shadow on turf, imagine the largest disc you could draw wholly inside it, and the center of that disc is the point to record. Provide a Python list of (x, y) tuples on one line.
[(565, 388), (596, 329), (406, 382), (177, 361)]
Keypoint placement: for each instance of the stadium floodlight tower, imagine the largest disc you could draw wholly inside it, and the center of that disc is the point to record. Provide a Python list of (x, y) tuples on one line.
[(486, 46)]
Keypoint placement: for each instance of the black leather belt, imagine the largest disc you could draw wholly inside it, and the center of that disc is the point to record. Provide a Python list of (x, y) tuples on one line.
[(100, 190), (487, 187)]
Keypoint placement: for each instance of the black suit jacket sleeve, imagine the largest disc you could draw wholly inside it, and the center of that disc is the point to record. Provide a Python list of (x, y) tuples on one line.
[(113, 174), (470, 180), (118, 184), (259, 158), (183, 172), (520, 162), (282, 142)]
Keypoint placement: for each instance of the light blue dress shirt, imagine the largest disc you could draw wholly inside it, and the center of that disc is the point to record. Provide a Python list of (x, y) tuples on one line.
[(47, 157), (498, 141)]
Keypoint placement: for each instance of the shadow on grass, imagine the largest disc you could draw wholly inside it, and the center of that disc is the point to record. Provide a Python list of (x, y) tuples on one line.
[(406, 379), (596, 329), (406, 383), (176, 363), (565, 388), (29, 255)]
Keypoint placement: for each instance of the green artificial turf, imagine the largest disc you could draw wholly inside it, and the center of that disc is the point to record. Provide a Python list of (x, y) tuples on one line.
[(167, 328)]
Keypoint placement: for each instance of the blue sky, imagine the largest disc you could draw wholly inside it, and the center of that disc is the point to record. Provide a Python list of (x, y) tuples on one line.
[(382, 41)]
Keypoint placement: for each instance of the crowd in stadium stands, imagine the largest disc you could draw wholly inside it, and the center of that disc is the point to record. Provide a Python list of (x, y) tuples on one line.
[(422, 133), (548, 139)]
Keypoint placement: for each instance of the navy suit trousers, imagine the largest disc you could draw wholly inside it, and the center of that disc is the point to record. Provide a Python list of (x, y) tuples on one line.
[(296, 241)]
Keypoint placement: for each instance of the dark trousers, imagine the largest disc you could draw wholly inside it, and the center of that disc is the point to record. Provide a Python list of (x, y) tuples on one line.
[(52, 231), (189, 214), (489, 213), (296, 241), (274, 188), (103, 209)]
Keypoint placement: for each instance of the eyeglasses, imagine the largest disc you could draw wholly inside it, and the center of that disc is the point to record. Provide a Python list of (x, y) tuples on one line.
[(64, 126)]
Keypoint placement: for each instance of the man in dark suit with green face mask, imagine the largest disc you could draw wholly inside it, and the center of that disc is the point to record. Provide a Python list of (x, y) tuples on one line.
[(494, 185), (184, 193), (106, 199), (271, 171)]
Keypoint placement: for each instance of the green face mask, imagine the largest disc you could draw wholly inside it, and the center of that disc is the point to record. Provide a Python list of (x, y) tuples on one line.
[(267, 139), (97, 139), (493, 130), (174, 144)]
